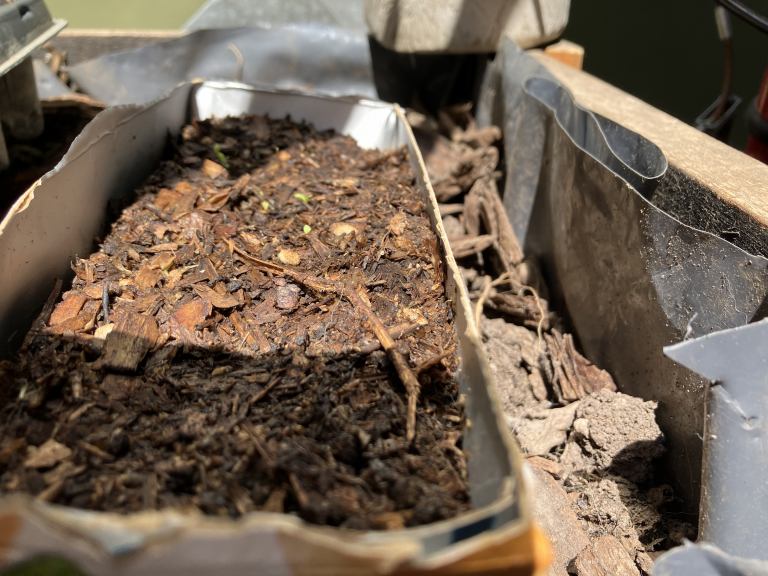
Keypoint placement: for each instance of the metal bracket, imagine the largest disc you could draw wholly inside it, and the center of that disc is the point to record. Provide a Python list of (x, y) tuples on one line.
[(25, 25)]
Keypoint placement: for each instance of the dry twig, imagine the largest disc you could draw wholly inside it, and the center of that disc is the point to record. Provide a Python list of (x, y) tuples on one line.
[(486, 291)]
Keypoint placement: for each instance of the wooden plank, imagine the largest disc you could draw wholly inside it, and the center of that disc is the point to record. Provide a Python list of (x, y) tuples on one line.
[(568, 53), (734, 177)]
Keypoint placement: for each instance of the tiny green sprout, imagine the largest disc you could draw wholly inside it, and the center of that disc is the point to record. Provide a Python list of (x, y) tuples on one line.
[(307, 228), (220, 156), (302, 197), (265, 206)]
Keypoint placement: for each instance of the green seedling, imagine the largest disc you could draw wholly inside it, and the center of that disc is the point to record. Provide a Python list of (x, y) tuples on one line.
[(307, 228), (304, 198), (220, 156)]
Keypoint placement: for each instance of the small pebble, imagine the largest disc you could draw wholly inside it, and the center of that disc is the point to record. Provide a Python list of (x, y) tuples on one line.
[(288, 297), (289, 257)]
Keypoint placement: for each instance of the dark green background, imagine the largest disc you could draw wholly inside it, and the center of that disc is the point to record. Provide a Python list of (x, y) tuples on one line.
[(668, 52)]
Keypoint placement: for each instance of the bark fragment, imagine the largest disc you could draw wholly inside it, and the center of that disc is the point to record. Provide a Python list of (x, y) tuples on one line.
[(132, 336)]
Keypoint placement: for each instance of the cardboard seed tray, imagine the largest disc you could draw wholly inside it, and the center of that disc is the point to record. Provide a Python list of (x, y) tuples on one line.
[(59, 217)]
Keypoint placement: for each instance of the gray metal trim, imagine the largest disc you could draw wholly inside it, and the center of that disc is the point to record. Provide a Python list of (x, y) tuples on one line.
[(734, 488), (25, 25)]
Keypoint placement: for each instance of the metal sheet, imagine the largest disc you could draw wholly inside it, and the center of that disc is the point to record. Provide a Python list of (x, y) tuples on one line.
[(58, 219), (308, 57), (705, 560), (631, 278), (343, 14), (48, 84), (734, 494)]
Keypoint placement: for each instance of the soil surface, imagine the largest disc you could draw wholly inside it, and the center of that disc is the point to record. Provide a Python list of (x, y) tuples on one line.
[(264, 328)]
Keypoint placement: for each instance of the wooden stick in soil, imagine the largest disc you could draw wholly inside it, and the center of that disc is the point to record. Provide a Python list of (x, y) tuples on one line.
[(359, 299)]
